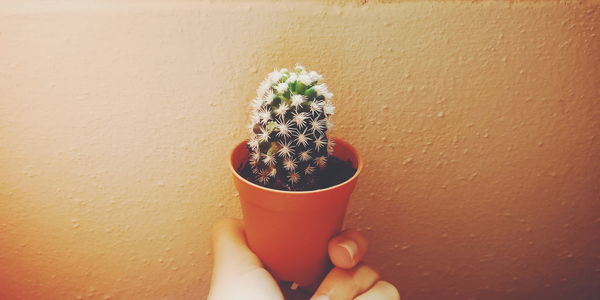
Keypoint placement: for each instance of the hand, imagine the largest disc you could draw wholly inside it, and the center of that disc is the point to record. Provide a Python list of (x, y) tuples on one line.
[(239, 274)]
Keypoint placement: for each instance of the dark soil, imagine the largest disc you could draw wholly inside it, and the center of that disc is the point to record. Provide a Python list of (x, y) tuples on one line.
[(336, 172)]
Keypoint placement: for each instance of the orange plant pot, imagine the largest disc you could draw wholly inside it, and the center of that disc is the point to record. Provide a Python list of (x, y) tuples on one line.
[(289, 230)]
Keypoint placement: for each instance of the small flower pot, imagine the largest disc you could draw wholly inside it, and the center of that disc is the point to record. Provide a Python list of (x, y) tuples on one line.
[(289, 230)]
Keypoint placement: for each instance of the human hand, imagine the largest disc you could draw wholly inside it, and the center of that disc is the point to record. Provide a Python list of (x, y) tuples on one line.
[(239, 274)]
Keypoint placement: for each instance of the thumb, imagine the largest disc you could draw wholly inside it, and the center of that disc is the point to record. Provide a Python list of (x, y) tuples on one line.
[(347, 249)]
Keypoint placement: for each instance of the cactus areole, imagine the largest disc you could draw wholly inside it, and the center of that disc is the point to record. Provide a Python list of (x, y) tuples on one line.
[(290, 145)]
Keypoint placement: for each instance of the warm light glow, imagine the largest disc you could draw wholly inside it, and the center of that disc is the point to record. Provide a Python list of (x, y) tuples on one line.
[(478, 122)]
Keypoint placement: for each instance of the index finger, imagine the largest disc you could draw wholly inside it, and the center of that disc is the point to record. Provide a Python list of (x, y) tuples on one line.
[(347, 249)]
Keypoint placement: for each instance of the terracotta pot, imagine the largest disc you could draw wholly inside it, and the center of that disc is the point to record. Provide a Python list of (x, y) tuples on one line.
[(289, 231)]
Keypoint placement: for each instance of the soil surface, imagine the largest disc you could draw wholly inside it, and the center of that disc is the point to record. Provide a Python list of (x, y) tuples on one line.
[(336, 172)]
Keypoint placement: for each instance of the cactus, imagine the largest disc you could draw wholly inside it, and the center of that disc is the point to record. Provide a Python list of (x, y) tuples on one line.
[(290, 140)]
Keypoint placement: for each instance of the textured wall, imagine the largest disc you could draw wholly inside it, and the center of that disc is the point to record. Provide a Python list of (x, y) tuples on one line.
[(479, 123)]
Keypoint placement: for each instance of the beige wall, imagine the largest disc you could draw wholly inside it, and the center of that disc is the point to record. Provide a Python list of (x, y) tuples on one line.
[(479, 122)]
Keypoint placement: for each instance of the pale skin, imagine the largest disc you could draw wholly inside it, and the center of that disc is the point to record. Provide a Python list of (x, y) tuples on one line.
[(239, 274)]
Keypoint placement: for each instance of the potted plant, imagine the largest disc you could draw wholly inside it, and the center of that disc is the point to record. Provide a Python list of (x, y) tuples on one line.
[(294, 182)]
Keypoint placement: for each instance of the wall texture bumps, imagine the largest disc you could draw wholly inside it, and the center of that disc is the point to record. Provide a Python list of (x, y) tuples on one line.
[(479, 122)]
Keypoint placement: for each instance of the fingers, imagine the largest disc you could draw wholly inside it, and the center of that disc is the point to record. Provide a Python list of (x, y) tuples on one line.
[(347, 249), (231, 254), (236, 266), (345, 284), (382, 290)]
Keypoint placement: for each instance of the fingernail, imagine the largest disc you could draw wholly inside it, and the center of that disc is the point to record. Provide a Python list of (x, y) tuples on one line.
[(322, 297), (351, 247)]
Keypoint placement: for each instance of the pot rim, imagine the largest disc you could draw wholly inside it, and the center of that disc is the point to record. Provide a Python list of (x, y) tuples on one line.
[(340, 142)]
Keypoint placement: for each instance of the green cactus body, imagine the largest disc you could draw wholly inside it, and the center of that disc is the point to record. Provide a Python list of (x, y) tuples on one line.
[(290, 140)]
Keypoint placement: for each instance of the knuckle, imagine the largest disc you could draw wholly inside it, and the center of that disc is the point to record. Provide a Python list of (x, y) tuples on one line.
[(367, 268), (364, 276)]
